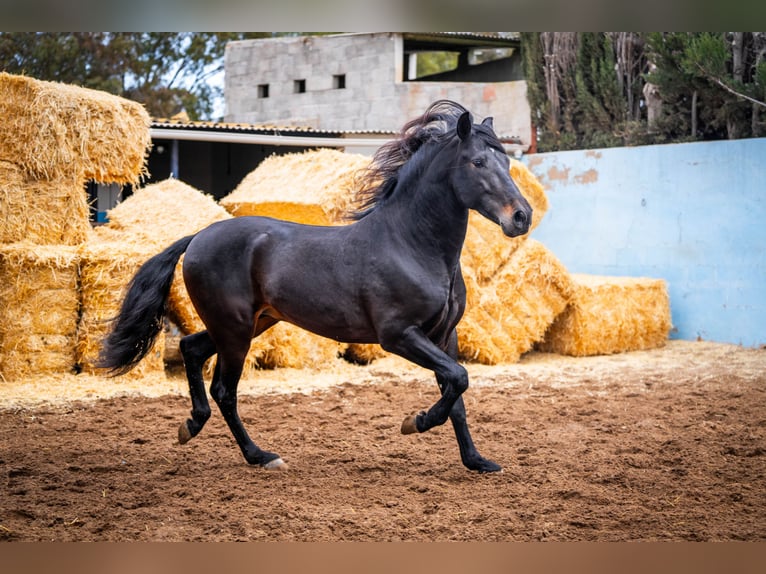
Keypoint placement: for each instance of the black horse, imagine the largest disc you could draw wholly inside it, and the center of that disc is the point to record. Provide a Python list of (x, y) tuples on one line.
[(392, 276)]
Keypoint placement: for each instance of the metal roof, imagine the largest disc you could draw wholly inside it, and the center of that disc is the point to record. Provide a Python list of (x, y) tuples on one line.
[(272, 129), (269, 134), (225, 132), (465, 39)]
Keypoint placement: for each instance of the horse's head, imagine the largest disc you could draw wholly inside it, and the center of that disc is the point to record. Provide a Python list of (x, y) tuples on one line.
[(481, 177)]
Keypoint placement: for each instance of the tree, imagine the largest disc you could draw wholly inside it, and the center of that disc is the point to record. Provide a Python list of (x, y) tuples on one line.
[(549, 63), (167, 72), (585, 88), (598, 89)]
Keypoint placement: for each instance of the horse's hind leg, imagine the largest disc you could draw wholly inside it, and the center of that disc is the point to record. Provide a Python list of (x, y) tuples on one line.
[(231, 360), (196, 349)]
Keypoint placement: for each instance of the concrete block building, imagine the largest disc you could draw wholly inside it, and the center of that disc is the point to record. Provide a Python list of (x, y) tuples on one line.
[(367, 82)]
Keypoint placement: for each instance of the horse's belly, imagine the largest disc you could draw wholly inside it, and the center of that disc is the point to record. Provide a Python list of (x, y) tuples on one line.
[(325, 308)]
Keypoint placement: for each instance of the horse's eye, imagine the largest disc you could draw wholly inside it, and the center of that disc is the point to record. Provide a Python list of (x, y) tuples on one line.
[(478, 162)]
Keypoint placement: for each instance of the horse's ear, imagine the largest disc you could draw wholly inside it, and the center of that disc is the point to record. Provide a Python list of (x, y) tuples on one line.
[(488, 122), (464, 124)]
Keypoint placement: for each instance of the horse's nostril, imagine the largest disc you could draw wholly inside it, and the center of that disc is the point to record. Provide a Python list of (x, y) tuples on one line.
[(519, 218)]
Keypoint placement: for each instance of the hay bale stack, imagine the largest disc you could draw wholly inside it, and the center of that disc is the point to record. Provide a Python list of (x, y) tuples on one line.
[(54, 131), (105, 271), (480, 337), (505, 317), (315, 187), (285, 345), (39, 309), (163, 212), (486, 248), (611, 315), (46, 212), (156, 216)]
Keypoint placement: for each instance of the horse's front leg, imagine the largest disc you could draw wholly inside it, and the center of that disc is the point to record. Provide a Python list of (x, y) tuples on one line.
[(468, 451), (414, 346), (453, 381)]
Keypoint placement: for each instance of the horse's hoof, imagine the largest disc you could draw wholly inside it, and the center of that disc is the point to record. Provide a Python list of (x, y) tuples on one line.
[(276, 464), (484, 466), (184, 435), (409, 424)]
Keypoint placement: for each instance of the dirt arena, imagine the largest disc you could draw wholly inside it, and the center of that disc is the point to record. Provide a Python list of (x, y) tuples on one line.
[(661, 445)]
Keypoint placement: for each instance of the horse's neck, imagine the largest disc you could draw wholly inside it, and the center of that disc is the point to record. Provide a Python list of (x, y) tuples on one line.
[(430, 219)]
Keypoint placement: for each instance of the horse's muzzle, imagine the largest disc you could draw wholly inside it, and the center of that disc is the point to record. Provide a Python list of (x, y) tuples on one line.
[(518, 223)]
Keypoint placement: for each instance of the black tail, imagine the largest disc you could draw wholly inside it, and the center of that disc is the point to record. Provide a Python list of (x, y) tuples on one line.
[(143, 311)]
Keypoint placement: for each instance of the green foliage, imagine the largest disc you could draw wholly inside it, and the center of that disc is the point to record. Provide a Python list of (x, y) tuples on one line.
[(711, 86), (429, 63)]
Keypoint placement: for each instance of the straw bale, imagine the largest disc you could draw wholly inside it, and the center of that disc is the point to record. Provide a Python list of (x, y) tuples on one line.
[(486, 248), (47, 212), (315, 187), (362, 354), (39, 309), (611, 315), (163, 212), (157, 215), (53, 131), (105, 272), (480, 336), (505, 317), (285, 345)]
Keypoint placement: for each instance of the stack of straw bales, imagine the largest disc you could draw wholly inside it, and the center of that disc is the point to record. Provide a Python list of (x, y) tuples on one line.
[(106, 268), (509, 313), (611, 315), (39, 309), (53, 139)]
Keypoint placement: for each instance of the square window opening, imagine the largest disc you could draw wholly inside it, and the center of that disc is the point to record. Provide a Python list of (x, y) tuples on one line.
[(263, 90), (299, 86), (339, 81)]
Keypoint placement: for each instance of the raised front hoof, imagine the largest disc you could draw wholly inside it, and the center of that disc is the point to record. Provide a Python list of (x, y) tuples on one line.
[(184, 434), (276, 464), (410, 424)]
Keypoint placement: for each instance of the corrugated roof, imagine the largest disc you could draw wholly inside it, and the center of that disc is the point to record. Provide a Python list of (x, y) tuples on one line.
[(271, 129), (264, 129), (479, 38)]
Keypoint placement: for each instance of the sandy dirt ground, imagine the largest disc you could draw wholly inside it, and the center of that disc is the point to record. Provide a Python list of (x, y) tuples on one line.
[(667, 444)]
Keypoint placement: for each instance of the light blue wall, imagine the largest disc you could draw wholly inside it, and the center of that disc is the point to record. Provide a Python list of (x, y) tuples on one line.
[(692, 214)]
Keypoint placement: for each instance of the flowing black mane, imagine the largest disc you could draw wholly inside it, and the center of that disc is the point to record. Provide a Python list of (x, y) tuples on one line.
[(437, 125)]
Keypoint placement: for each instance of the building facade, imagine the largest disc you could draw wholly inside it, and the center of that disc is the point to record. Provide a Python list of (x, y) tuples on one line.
[(367, 82)]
